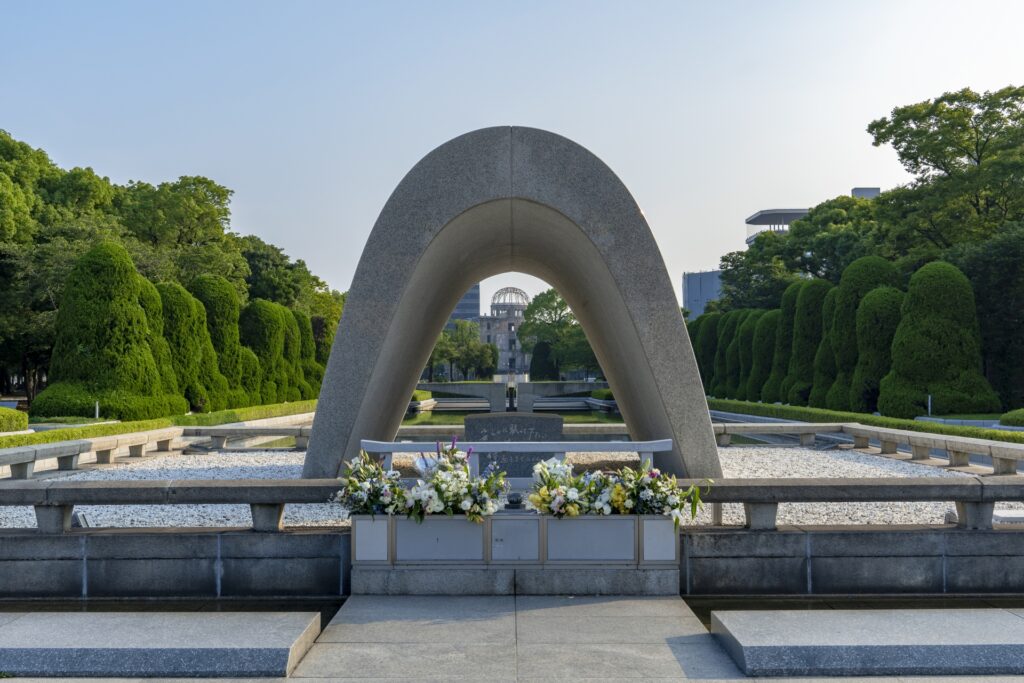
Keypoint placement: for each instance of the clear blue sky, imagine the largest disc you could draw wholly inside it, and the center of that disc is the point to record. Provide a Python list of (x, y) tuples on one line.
[(313, 111)]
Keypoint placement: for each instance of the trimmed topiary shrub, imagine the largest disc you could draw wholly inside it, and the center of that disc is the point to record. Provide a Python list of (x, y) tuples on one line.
[(149, 299), (13, 420), (312, 371), (825, 357), (602, 394), (220, 301), (252, 375), (806, 339), (762, 352), (859, 278), (1014, 418), (732, 357), (704, 349), (771, 391), (102, 351), (262, 328), (726, 333), (877, 318), (936, 350), (298, 387), (192, 354), (745, 337)]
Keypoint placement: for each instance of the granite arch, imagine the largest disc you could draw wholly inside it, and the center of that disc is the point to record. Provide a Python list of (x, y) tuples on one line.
[(512, 199)]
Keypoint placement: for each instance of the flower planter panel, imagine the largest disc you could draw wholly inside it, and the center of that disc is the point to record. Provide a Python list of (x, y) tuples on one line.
[(660, 540), (370, 538), (591, 539), (515, 540), (440, 539)]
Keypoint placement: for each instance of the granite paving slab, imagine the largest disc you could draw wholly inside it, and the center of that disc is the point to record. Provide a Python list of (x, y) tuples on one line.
[(148, 644), (480, 620), (873, 642)]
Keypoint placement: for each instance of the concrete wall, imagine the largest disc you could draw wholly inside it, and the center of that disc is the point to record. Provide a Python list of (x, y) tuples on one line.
[(857, 560), (174, 563)]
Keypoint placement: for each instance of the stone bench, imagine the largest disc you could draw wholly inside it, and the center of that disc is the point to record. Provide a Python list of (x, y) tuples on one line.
[(221, 435), (806, 431)]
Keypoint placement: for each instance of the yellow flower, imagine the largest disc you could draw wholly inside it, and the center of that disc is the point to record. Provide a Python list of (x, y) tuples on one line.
[(618, 498), (572, 509)]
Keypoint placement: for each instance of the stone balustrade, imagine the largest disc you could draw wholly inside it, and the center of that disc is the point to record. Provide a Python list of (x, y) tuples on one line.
[(54, 499), (22, 459)]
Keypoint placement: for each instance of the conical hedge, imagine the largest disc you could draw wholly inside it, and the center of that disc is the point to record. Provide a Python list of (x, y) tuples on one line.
[(825, 357), (732, 356), (936, 350), (102, 349), (220, 300), (763, 350), (859, 278), (806, 339), (192, 353), (877, 318), (771, 392), (745, 338), (704, 348), (726, 333)]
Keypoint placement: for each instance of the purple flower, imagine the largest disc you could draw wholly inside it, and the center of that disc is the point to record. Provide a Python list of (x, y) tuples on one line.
[(469, 451), (455, 440)]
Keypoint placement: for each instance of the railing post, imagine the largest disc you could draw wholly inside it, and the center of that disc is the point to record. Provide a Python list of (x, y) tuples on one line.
[(136, 450), (1004, 465), (861, 442), (974, 515), (646, 456), (889, 447), (301, 443), (716, 514), (959, 458), (761, 516), (267, 516), (219, 442), (53, 519), (22, 470), (807, 440), (105, 456), (920, 452), (67, 463), (164, 444), (723, 439)]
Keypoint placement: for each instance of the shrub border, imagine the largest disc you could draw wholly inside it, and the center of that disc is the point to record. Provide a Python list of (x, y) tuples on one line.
[(822, 415), (197, 420)]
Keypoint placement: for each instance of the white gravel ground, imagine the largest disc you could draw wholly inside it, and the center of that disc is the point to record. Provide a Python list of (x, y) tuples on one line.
[(745, 461)]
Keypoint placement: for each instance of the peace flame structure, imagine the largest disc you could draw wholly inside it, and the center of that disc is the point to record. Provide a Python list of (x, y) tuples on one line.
[(512, 199)]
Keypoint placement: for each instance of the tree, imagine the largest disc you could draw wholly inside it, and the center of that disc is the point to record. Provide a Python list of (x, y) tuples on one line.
[(442, 353), (542, 367), (825, 356), (859, 278), (466, 344), (996, 271), (935, 351), (878, 315), (771, 391), (763, 351), (831, 236), (745, 343), (966, 151), (806, 339), (102, 349), (757, 277)]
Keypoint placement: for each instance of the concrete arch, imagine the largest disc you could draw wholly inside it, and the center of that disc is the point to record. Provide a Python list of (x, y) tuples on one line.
[(511, 199)]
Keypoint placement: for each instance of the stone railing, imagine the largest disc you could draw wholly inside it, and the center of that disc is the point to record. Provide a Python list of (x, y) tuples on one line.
[(220, 435), (22, 459), (54, 499)]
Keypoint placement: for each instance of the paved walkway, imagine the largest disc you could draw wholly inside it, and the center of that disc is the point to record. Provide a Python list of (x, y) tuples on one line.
[(523, 638)]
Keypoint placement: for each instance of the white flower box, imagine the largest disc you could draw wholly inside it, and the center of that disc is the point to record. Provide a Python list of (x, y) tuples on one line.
[(591, 539), (440, 539), (371, 539)]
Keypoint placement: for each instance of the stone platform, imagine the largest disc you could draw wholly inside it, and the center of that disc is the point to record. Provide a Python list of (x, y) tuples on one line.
[(523, 580), (515, 638), (150, 644), (873, 642)]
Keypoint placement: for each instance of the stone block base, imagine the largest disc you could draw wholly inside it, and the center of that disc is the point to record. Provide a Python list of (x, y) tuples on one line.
[(433, 580)]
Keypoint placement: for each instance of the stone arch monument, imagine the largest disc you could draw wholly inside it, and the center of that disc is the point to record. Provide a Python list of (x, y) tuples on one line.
[(512, 199)]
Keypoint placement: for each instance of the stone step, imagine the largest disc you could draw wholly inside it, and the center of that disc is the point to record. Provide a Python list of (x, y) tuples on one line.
[(149, 644), (949, 642)]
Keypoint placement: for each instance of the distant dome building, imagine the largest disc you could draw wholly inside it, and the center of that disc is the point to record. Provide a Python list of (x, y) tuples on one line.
[(508, 305)]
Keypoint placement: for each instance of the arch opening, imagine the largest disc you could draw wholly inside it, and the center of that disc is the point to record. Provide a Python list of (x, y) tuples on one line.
[(590, 242)]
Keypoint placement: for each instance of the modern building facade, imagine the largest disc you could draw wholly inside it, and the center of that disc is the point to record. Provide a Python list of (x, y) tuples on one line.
[(699, 289), (501, 328), (468, 307)]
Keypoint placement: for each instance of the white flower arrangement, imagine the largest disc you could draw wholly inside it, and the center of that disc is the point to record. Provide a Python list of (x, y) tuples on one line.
[(556, 491), (446, 487)]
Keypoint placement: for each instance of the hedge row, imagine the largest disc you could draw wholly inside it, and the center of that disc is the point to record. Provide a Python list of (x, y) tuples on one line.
[(201, 420), (12, 420), (145, 351), (861, 346), (803, 414), (1014, 418), (602, 394)]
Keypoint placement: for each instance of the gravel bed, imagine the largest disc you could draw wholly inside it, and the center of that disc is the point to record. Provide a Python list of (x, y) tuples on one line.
[(737, 461)]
